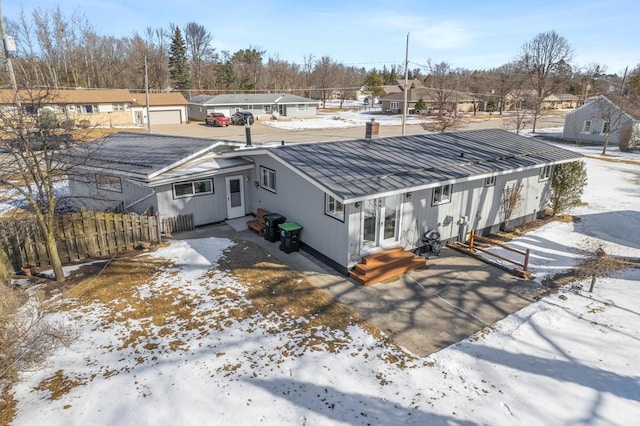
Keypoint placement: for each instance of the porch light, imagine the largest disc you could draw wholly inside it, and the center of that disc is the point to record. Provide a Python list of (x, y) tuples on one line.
[(357, 204), (408, 194)]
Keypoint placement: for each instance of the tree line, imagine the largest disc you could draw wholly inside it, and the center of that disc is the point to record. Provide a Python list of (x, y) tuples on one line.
[(65, 51)]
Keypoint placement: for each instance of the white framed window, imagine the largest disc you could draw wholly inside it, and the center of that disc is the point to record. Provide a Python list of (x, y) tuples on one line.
[(109, 183), (302, 107), (87, 109), (268, 179), (441, 195), (119, 107), (394, 105), (587, 126), (266, 109), (189, 189), (545, 173), (606, 127), (333, 207), (490, 181)]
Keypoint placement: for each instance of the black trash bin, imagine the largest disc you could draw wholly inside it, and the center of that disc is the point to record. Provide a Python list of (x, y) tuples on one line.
[(271, 230), (289, 236)]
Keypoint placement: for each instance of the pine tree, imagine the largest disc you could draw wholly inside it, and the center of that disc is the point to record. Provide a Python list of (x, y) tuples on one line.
[(178, 65), (567, 185)]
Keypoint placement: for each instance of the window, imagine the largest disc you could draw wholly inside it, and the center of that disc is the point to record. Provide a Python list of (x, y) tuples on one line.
[(587, 126), (545, 173), (302, 107), (87, 109), (188, 189), (118, 107), (268, 179), (333, 207), (441, 195), (490, 181), (109, 183), (394, 105), (606, 128), (266, 109)]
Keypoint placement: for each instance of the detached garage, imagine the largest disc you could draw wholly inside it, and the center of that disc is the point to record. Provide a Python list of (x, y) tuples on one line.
[(164, 108)]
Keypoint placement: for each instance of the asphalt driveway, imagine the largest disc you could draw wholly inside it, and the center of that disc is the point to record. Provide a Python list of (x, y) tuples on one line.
[(424, 311)]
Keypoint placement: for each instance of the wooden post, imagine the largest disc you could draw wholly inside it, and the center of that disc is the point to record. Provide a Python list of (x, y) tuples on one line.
[(471, 239), (526, 259)]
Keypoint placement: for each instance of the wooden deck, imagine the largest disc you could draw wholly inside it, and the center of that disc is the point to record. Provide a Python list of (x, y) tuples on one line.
[(386, 265)]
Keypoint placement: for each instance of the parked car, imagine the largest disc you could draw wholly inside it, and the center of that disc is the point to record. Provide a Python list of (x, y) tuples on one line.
[(217, 119), (242, 117)]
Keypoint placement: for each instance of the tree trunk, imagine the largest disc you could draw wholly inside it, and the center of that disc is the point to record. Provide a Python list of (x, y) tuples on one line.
[(54, 256)]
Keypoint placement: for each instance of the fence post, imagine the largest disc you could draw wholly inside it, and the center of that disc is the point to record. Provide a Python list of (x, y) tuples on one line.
[(526, 259), (158, 229), (471, 239)]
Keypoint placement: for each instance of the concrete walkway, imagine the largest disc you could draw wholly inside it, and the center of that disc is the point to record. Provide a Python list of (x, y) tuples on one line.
[(423, 311)]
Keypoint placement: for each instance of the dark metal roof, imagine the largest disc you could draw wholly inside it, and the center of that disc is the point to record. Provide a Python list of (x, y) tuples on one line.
[(364, 167), (251, 98), (139, 154)]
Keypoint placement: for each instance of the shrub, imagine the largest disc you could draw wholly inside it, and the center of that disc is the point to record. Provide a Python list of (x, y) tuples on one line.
[(567, 185)]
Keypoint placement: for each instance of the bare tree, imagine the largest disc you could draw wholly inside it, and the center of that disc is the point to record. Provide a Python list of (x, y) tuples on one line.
[(324, 77), (198, 41), (545, 60), (613, 117), (444, 83), (511, 200), (281, 75)]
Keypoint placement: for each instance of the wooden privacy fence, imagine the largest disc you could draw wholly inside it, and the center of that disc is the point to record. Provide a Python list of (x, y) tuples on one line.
[(79, 236), (182, 223)]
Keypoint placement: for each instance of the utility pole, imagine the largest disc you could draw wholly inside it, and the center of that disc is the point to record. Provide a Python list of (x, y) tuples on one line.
[(146, 93), (9, 46), (406, 84)]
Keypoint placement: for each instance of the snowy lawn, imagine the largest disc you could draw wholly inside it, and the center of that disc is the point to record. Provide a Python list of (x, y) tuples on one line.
[(198, 345), (342, 119)]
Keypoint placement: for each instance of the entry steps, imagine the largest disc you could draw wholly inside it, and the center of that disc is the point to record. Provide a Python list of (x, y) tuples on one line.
[(386, 265)]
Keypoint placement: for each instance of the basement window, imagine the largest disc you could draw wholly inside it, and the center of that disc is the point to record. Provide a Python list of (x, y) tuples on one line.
[(333, 208), (188, 189), (441, 195)]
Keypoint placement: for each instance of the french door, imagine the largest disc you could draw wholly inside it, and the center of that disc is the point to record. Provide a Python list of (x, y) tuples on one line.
[(380, 222)]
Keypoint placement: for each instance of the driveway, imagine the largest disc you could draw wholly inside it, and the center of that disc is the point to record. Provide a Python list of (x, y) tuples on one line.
[(424, 311)]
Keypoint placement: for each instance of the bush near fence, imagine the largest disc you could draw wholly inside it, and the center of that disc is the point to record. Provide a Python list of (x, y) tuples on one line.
[(80, 236)]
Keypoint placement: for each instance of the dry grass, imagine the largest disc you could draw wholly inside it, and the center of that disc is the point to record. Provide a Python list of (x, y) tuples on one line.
[(7, 407)]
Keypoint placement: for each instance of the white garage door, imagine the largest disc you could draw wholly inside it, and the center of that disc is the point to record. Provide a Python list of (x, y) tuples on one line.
[(165, 117)]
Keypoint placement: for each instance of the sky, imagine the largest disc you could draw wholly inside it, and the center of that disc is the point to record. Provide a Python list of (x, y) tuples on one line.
[(372, 33)]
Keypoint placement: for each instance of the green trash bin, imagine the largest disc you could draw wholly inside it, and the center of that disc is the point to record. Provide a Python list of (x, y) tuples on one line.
[(289, 236)]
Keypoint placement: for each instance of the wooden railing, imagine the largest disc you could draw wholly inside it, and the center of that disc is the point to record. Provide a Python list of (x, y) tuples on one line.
[(473, 238)]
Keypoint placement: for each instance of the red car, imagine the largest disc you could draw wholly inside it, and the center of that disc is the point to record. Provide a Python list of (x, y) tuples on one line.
[(217, 119)]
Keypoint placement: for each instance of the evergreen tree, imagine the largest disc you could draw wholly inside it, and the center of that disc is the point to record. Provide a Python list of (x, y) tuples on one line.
[(178, 65), (567, 185), (373, 83)]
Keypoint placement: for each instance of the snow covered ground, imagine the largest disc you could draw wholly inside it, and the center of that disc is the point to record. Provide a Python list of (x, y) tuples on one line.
[(570, 358)]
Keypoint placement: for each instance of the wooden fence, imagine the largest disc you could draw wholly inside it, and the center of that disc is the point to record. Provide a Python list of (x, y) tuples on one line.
[(79, 236), (182, 223)]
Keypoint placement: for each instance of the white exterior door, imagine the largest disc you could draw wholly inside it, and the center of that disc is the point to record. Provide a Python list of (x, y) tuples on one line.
[(380, 222), (235, 197)]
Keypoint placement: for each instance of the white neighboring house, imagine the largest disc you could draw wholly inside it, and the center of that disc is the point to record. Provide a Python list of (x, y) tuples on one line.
[(260, 104), (169, 175), (603, 116)]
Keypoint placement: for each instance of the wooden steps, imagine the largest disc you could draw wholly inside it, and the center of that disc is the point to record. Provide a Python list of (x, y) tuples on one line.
[(386, 265), (257, 225)]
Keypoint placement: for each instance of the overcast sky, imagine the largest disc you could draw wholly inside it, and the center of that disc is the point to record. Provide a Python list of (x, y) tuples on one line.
[(476, 34)]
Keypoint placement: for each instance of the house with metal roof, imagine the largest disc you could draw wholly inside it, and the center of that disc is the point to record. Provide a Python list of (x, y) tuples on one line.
[(262, 105), (168, 175), (604, 117), (356, 197)]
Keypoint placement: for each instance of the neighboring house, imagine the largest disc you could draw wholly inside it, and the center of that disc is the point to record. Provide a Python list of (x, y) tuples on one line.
[(261, 105), (101, 107), (359, 196), (603, 115), (456, 101), (168, 175), (552, 101)]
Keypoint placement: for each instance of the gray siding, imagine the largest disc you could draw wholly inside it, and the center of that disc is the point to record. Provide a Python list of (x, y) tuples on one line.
[(292, 111), (301, 202), (575, 122), (85, 194), (209, 208)]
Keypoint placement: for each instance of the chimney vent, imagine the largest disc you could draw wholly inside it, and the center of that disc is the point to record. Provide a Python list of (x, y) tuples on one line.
[(372, 129)]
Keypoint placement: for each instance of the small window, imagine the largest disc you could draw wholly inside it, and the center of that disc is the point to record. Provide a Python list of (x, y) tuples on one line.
[(441, 195), (266, 109), (118, 107), (268, 179), (490, 181), (87, 109), (188, 189), (302, 107), (587, 126), (109, 183), (545, 173), (606, 128), (394, 105), (333, 207)]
